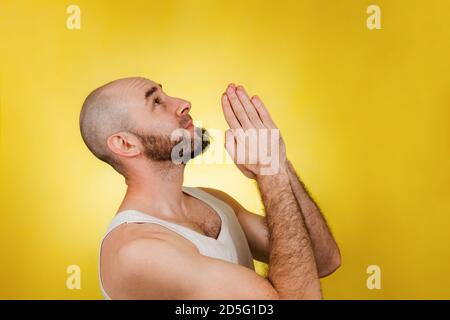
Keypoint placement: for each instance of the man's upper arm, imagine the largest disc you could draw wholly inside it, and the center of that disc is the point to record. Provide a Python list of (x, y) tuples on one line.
[(155, 269), (254, 225)]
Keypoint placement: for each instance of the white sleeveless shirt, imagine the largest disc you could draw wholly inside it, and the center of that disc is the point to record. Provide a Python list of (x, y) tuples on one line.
[(231, 245)]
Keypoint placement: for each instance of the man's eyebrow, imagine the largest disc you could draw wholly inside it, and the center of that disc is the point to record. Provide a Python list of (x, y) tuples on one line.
[(151, 91)]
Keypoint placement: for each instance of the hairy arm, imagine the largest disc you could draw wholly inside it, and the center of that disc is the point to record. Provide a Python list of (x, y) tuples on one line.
[(292, 268), (326, 250)]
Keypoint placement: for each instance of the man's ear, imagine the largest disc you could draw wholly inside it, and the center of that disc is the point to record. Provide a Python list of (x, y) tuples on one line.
[(124, 144)]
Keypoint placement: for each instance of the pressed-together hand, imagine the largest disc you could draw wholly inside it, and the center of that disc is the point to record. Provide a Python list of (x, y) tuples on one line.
[(248, 117)]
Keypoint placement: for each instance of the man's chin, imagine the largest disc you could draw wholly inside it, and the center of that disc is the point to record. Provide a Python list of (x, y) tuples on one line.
[(200, 141)]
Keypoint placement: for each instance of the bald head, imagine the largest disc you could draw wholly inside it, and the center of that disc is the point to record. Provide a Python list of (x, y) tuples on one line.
[(106, 111)]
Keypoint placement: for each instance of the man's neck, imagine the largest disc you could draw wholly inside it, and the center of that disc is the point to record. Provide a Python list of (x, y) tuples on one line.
[(156, 189)]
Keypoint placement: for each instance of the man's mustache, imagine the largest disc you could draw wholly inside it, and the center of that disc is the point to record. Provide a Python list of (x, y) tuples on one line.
[(185, 120)]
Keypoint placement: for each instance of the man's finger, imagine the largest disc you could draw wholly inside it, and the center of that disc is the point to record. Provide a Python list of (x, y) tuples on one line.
[(263, 113), (249, 107), (230, 144), (228, 112), (238, 109)]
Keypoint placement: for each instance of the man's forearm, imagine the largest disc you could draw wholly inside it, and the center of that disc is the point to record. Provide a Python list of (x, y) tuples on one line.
[(292, 267), (326, 251)]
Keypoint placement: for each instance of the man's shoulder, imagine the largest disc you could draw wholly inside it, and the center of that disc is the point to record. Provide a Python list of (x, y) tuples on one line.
[(132, 236), (130, 245), (131, 253)]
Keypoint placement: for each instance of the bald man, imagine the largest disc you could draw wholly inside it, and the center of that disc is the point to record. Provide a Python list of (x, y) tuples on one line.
[(169, 241)]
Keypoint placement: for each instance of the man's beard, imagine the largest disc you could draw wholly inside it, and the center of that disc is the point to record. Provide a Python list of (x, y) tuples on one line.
[(181, 149)]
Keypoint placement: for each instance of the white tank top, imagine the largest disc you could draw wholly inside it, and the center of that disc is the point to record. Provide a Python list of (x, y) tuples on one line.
[(231, 245)]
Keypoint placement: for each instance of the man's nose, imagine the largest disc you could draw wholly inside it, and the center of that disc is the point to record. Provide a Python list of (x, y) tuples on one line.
[(183, 107)]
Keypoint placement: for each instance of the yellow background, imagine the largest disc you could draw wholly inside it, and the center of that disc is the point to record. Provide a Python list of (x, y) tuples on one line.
[(365, 115)]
